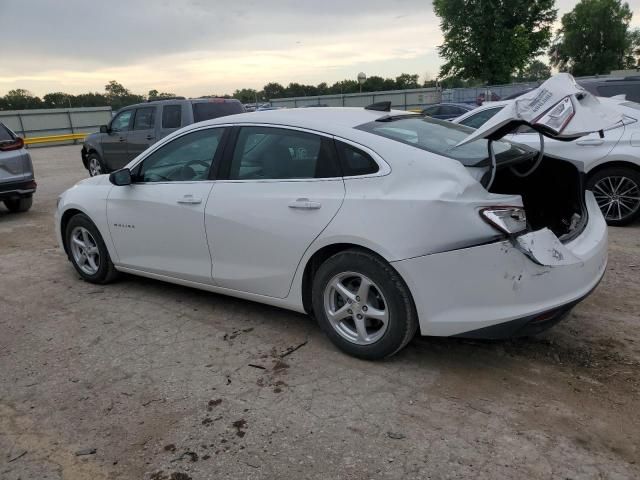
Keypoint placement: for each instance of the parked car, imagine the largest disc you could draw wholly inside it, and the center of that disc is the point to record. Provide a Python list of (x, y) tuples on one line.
[(133, 129), (374, 221), (17, 181), (611, 86), (611, 162), (446, 111)]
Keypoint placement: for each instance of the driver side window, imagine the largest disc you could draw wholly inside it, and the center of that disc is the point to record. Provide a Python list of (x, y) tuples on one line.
[(187, 158), (121, 122)]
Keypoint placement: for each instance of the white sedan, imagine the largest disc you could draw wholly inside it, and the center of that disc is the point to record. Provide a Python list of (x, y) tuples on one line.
[(374, 221), (611, 163)]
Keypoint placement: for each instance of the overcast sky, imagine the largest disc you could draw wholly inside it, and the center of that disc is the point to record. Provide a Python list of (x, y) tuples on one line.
[(199, 47)]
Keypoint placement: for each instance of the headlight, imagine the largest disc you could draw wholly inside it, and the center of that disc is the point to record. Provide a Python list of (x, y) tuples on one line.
[(558, 116), (508, 220)]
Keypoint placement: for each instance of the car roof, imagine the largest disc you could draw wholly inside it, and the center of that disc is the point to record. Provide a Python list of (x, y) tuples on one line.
[(455, 104), (332, 120)]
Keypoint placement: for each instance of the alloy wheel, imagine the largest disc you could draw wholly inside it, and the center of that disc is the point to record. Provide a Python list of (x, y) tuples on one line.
[(85, 251), (618, 197), (356, 308), (94, 167)]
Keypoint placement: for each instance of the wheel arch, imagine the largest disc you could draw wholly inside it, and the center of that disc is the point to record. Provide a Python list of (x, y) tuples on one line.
[(320, 256), (613, 164), (64, 221)]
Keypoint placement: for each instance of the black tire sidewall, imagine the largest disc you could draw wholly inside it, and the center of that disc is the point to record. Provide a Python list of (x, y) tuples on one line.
[(616, 172), (105, 267), (19, 204), (402, 316)]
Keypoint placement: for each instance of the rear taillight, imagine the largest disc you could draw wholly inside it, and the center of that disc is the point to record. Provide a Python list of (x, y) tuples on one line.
[(508, 220), (558, 116), (16, 144)]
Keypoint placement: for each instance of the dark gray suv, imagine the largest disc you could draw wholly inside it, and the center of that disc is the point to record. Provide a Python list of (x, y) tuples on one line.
[(136, 127), (17, 183)]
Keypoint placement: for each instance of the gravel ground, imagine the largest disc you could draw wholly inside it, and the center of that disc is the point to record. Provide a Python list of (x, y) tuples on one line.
[(146, 380)]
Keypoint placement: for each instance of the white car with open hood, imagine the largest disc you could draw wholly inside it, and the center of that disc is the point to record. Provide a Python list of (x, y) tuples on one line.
[(379, 223)]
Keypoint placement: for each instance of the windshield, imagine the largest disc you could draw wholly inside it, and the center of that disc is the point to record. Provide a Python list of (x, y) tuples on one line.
[(441, 137)]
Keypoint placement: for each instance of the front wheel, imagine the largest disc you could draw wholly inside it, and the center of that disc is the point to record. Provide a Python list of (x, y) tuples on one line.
[(87, 251), (94, 165), (617, 191), (363, 305)]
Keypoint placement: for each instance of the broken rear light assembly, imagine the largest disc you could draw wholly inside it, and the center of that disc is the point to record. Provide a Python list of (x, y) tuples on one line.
[(557, 117), (15, 144), (507, 219)]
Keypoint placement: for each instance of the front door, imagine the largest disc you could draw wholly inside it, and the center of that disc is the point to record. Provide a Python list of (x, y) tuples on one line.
[(143, 133), (114, 143), (282, 188), (157, 223)]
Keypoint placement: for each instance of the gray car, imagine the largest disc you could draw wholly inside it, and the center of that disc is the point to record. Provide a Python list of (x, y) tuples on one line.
[(134, 128), (17, 182)]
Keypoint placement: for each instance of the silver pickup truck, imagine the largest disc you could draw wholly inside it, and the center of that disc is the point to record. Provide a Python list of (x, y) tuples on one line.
[(134, 128)]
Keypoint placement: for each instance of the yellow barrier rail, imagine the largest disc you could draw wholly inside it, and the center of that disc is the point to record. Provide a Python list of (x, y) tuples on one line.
[(55, 138)]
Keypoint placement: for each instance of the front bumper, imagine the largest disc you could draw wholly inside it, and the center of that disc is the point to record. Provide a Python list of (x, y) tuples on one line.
[(466, 292)]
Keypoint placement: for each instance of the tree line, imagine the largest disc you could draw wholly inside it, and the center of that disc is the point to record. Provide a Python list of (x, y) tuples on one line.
[(485, 43)]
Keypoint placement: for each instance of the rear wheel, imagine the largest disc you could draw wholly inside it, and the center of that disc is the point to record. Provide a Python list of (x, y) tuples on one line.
[(87, 251), (94, 165), (19, 204), (363, 305), (617, 191)]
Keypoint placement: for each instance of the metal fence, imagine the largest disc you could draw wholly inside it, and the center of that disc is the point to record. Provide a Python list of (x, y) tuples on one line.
[(416, 98), (57, 121), (400, 99)]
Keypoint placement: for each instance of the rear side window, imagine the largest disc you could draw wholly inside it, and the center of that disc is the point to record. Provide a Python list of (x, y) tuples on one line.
[(451, 110), (171, 116), (144, 118), (279, 154), (5, 135), (208, 110), (480, 118), (432, 110), (354, 161), (632, 91)]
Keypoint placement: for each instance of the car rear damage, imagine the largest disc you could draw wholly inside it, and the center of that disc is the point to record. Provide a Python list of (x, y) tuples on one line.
[(553, 252)]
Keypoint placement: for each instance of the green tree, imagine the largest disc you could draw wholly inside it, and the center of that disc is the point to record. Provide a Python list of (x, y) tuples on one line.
[(594, 38), (247, 95), (118, 96), (490, 40), (155, 95), (535, 71), (21, 99), (57, 100), (273, 90), (406, 80)]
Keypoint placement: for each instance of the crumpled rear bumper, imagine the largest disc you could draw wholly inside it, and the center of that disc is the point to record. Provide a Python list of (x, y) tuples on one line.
[(468, 290)]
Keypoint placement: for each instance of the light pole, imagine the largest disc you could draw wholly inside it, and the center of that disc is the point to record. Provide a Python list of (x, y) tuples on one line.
[(361, 79)]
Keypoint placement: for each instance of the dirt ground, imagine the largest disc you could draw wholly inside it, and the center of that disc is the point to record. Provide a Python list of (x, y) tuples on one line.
[(145, 380)]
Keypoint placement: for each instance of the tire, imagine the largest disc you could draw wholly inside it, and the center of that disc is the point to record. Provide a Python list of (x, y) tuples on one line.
[(617, 191), (95, 165), (19, 204), (95, 265), (388, 296)]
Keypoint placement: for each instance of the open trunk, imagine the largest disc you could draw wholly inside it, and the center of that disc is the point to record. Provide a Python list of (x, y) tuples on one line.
[(553, 196)]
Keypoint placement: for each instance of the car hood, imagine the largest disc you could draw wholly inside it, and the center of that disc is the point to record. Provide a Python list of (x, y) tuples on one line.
[(97, 180), (559, 109)]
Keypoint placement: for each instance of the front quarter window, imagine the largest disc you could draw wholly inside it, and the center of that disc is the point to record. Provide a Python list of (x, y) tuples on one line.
[(121, 122)]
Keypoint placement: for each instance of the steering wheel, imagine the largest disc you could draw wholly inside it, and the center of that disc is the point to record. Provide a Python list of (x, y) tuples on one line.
[(196, 162), (186, 172)]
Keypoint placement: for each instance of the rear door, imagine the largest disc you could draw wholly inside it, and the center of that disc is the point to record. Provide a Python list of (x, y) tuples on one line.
[(280, 188), (143, 133), (114, 143), (170, 120)]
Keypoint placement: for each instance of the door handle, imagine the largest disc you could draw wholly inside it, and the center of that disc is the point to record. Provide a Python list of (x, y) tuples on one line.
[(590, 142), (150, 137), (122, 139), (190, 200), (304, 204)]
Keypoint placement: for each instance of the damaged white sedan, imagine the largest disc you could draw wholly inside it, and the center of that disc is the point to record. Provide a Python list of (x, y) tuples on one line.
[(376, 222)]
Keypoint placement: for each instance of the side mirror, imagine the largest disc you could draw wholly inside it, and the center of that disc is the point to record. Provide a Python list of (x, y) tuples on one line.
[(104, 128), (121, 177)]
